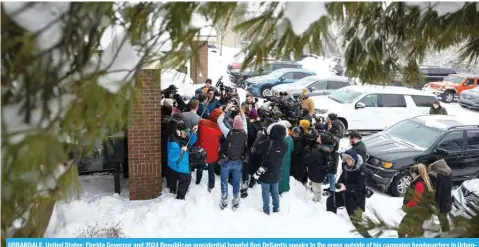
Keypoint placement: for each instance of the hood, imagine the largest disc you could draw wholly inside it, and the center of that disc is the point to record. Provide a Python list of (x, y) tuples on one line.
[(388, 149), (277, 132), (270, 128), (356, 167), (439, 167), (440, 84), (325, 103)]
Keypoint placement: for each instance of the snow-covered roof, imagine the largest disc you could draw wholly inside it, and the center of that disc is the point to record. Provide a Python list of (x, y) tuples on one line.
[(387, 90), (207, 32)]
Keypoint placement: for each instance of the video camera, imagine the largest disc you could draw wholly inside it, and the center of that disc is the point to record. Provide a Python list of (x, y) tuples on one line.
[(170, 92)]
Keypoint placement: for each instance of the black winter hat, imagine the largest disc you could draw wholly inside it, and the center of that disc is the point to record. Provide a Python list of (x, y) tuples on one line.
[(326, 139), (178, 117), (278, 132), (333, 116)]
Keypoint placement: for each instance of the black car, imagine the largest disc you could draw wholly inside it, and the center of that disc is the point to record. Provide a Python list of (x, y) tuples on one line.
[(393, 151), (268, 67), (470, 98)]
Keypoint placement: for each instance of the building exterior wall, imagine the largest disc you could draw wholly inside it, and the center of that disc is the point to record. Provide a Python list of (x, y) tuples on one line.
[(199, 64), (144, 139)]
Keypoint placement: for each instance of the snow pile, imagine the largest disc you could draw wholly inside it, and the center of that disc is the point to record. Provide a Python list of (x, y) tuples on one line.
[(182, 81), (318, 65), (302, 14)]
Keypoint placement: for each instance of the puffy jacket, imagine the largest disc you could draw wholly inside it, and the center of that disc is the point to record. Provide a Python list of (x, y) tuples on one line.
[(314, 161), (439, 111), (354, 178), (273, 160), (361, 149), (441, 178), (209, 135), (213, 104), (174, 153)]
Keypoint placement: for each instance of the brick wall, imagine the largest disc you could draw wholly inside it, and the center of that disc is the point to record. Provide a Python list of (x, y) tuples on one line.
[(144, 139), (199, 64)]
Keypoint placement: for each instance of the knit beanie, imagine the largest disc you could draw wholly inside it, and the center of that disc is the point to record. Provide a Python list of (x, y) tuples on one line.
[(304, 92), (351, 154), (238, 123), (215, 114), (305, 124), (253, 113)]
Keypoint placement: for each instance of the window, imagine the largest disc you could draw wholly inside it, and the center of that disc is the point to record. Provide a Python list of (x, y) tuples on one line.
[(454, 79), (319, 85), (370, 100), (344, 95), (267, 68), (288, 76), (423, 101), (333, 85), (392, 100), (452, 142), (472, 140), (345, 84), (277, 66), (300, 75), (469, 82)]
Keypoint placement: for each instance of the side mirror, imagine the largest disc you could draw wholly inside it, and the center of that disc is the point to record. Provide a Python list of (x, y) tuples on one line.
[(360, 105), (441, 152), (281, 79), (311, 89)]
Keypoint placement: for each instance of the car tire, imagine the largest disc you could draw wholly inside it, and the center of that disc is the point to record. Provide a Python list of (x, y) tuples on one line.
[(448, 97), (265, 90), (400, 184)]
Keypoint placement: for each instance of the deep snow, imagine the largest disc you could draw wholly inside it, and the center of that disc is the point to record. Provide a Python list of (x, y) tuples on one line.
[(199, 215)]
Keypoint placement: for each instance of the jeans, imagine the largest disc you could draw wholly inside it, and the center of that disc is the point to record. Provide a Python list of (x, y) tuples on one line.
[(332, 181), (211, 175), (266, 189), (235, 168)]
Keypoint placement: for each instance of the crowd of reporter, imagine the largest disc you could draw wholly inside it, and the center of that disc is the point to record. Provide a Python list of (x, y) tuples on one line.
[(246, 145)]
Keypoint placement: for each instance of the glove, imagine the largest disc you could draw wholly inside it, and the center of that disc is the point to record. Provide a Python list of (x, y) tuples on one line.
[(259, 172)]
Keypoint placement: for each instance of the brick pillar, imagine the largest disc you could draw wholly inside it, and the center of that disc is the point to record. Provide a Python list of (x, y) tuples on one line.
[(144, 139), (199, 64)]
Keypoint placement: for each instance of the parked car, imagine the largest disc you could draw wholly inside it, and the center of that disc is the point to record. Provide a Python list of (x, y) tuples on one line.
[(470, 98), (465, 199), (373, 108), (261, 86), (393, 151), (268, 67), (315, 84), (213, 48), (452, 85)]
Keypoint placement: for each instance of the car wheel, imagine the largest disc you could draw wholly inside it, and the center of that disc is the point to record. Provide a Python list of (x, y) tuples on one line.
[(401, 184), (448, 97), (266, 92)]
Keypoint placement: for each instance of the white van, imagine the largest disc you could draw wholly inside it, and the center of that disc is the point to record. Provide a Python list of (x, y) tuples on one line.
[(373, 108)]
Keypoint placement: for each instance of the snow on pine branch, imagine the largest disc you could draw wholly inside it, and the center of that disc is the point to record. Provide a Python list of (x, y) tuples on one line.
[(39, 18), (441, 8), (302, 14)]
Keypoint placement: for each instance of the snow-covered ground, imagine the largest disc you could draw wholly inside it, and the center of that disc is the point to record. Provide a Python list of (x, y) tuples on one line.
[(199, 215)]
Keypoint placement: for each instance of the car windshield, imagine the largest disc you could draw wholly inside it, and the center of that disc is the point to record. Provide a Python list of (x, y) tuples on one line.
[(454, 79), (344, 95), (276, 74), (414, 133), (306, 81)]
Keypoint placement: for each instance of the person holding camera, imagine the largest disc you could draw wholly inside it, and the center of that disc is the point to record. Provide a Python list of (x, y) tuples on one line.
[(213, 102), (179, 145), (234, 148), (269, 172), (351, 188), (317, 162), (169, 125), (298, 168)]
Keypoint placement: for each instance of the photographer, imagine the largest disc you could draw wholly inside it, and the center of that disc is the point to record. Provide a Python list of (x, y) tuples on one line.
[(340, 128), (225, 128), (202, 110), (298, 169), (333, 130), (227, 93), (317, 161), (172, 93), (208, 85), (178, 159), (351, 188), (272, 151)]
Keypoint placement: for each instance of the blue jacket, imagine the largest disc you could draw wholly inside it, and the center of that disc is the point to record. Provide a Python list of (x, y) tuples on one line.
[(214, 103), (206, 113), (174, 153)]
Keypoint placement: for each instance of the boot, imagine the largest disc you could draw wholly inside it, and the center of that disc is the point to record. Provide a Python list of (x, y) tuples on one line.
[(244, 193), (252, 182), (236, 202)]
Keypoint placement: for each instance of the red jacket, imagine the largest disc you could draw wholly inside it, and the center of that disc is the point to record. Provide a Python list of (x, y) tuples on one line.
[(419, 189), (209, 135)]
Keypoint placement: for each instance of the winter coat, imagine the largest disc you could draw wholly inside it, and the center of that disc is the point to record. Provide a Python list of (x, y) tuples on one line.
[(439, 111), (441, 178), (255, 158), (314, 161), (168, 128), (174, 153), (204, 110), (253, 128), (235, 145), (286, 166), (308, 104), (341, 128), (272, 160), (209, 135), (361, 149), (354, 178), (416, 193), (214, 103), (225, 129), (191, 119), (331, 152), (298, 168)]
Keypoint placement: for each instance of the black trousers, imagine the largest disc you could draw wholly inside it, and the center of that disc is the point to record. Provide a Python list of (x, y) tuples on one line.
[(352, 202), (179, 184)]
